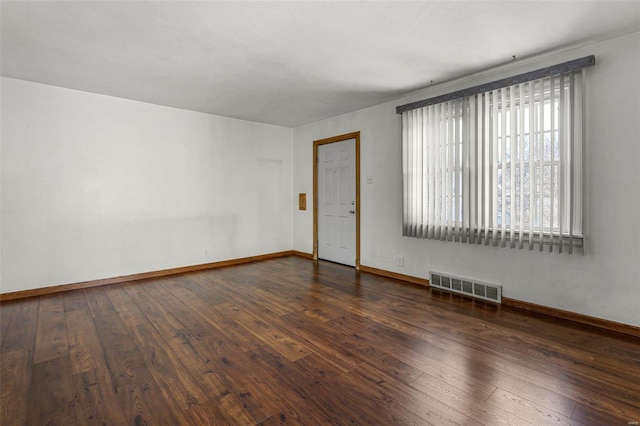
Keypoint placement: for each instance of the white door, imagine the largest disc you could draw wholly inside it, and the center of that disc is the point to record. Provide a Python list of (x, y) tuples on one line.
[(337, 202)]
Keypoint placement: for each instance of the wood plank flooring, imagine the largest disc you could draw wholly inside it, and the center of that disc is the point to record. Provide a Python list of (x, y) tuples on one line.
[(290, 341)]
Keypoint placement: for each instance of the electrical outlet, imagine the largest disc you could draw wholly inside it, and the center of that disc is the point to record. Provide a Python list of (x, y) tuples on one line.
[(369, 180), (400, 260), (205, 252)]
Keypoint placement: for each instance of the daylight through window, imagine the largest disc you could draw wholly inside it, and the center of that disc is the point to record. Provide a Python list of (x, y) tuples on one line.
[(502, 167)]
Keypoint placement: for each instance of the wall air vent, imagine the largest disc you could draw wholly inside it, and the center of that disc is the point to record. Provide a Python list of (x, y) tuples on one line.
[(466, 286)]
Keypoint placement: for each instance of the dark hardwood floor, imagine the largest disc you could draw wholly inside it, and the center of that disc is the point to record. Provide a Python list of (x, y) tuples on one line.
[(290, 341)]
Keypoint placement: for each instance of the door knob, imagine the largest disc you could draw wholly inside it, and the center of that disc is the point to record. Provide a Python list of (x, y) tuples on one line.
[(352, 211)]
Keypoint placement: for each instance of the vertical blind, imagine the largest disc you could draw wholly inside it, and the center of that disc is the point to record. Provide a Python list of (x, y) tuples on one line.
[(502, 167)]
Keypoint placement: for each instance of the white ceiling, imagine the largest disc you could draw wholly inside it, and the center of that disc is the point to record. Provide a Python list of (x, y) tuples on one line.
[(285, 63)]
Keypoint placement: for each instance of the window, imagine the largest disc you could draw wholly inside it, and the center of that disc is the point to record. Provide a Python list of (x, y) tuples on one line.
[(500, 166)]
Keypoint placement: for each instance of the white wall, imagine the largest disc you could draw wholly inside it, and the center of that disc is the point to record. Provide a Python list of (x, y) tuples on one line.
[(96, 187), (604, 283)]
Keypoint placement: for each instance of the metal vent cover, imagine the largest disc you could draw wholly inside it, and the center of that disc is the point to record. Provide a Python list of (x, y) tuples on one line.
[(466, 286)]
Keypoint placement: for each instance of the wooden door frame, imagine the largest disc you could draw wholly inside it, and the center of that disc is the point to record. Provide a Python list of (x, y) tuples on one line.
[(316, 144)]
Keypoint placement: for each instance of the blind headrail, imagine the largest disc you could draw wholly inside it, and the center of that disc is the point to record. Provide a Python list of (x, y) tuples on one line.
[(574, 65)]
